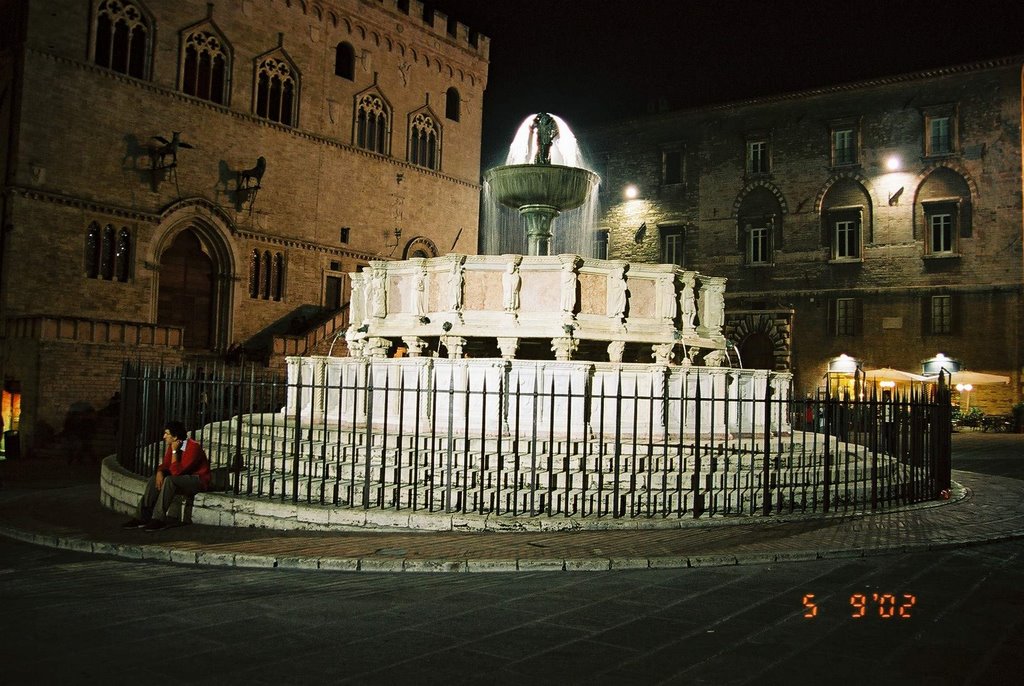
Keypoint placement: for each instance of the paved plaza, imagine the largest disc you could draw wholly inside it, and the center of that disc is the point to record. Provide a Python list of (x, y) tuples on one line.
[(926, 595)]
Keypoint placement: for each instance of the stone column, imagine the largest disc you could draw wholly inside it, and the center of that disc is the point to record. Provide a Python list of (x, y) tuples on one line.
[(508, 347), (415, 345), (454, 345), (564, 348), (663, 352), (376, 347)]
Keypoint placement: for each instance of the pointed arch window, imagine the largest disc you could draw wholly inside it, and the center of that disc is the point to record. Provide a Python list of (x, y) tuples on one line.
[(266, 275), (372, 123), (206, 66), (277, 91), (424, 141), (345, 61), (107, 254), (122, 38), (254, 274), (93, 243), (123, 256), (452, 104)]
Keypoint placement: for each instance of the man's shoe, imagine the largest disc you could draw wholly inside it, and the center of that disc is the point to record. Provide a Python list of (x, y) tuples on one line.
[(154, 525), (134, 524)]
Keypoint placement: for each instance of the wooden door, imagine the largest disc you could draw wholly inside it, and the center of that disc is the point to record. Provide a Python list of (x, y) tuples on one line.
[(186, 290)]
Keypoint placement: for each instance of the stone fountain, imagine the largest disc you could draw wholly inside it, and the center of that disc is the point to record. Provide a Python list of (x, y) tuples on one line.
[(541, 191)]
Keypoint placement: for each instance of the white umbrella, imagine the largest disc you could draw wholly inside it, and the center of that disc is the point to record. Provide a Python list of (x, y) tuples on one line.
[(972, 378), (890, 374)]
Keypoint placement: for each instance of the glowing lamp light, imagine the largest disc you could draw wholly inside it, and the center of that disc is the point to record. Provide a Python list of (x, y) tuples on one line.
[(844, 364), (887, 384), (892, 163), (632, 192), (964, 387)]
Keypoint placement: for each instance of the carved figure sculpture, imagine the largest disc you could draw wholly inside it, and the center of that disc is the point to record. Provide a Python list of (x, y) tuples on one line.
[(712, 314), (688, 301), (668, 287), (379, 292), (568, 287), (419, 293), (455, 287), (545, 128), (510, 284)]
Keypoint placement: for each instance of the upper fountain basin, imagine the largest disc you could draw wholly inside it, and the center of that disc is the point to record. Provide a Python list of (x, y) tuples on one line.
[(518, 185)]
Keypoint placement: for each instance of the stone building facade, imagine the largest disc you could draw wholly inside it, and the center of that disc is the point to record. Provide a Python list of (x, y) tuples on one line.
[(881, 220), (183, 178)]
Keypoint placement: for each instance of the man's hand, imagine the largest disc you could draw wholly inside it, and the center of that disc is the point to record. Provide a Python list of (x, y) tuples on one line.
[(159, 480), (175, 450)]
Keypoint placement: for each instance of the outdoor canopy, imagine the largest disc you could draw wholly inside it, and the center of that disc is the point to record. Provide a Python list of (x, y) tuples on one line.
[(972, 378), (890, 374)]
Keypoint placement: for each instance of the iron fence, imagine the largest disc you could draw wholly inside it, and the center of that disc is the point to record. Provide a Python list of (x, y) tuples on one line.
[(695, 450)]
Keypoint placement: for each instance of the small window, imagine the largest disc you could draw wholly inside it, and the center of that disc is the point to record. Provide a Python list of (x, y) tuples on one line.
[(123, 256), (940, 131), (93, 247), (757, 156), (938, 136), (345, 61), (942, 314), (672, 246), (452, 105), (759, 247), (671, 167), (941, 223), (600, 247), (344, 234), (844, 147), (266, 275), (107, 254), (845, 239), (845, 317)]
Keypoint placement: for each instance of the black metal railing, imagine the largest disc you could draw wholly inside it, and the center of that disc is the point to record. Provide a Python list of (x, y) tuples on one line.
[(405, 441)]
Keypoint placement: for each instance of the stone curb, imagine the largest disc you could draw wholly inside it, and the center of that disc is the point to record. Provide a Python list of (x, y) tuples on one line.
[(471, 565)]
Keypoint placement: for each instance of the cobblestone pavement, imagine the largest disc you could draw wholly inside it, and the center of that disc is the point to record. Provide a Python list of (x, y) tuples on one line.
[(49, 505)]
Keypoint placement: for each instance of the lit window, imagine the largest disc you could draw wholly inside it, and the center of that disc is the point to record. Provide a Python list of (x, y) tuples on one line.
[(205, 69), (940, 232), (122, 38), (276, 91), (845, 316), (423, 141), (372, 123), (942, 314), (672, 246), (757, 157)]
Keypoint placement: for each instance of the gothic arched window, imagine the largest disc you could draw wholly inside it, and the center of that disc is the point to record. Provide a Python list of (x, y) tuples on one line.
[(122, 38), (107, 253), (93, 242), (423, 141), (254, 274), (277, 91), (122, 256), (206, 66), (345, 61), (278, 276), (372, 123), (265, 276)]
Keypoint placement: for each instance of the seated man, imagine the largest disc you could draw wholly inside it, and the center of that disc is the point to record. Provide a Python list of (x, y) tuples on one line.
[(185, 469)]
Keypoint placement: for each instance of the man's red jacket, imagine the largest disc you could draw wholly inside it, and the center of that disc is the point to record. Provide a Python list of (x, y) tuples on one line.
[(193, 461)]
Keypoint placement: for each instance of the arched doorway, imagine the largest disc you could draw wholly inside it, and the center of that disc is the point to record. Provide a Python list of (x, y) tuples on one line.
[(186, 295), (758, 351)]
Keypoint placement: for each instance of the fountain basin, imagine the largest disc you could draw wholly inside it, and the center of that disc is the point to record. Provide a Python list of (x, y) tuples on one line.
[(555, 186)]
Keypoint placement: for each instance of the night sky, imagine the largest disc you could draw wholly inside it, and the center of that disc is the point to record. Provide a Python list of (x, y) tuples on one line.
[(591, 61)]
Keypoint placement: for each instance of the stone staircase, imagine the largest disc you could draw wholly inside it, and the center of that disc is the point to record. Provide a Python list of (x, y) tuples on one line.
[(342, 466)]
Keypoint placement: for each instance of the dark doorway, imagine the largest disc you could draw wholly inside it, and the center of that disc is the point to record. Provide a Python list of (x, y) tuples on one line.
[(186, 290), (758, 351), (332, 293)]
